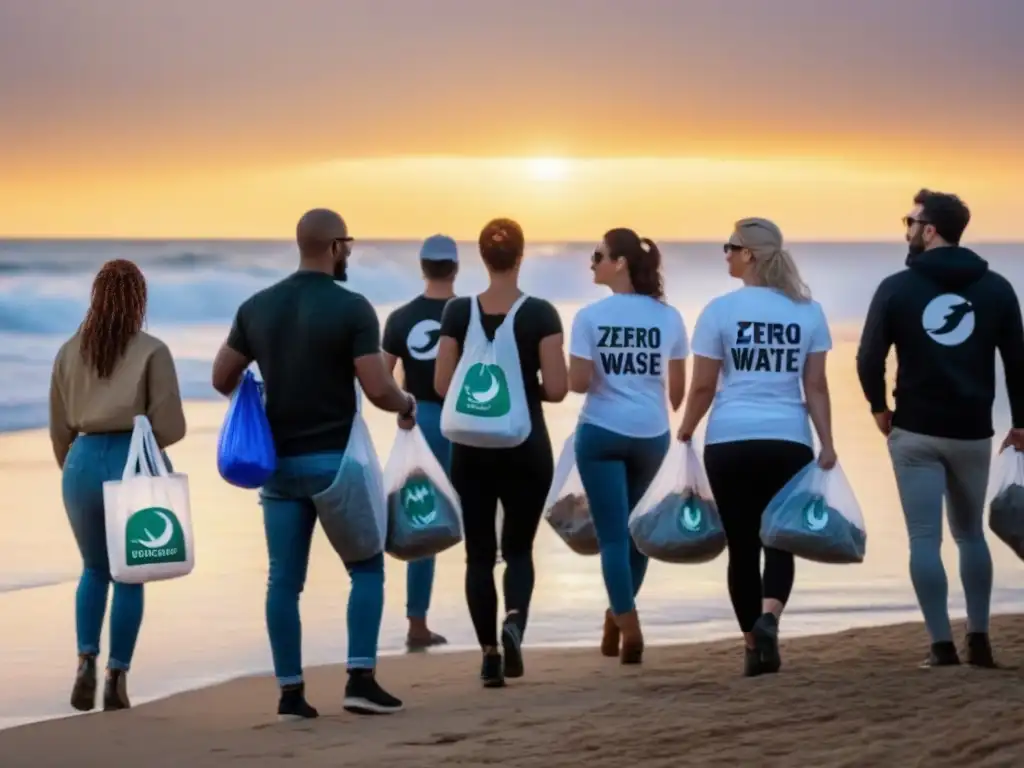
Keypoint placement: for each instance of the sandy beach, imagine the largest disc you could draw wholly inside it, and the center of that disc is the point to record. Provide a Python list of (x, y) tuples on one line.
[(855, 698)]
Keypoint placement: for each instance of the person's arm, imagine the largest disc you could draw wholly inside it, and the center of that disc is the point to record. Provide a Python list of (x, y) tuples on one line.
[(708, 354), (1011, 349), (61, 434), (554, 375), (163, 407), (875, 342), (233, 357), (703, 386), (454, 322), (677, 363), (819, 401), (376, 380)]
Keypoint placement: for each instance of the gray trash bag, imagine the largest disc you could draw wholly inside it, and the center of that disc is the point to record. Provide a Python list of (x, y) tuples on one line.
[(676, 520), (424, 511), (351, 509), (1006, 510), (566, 508), (816, 516)]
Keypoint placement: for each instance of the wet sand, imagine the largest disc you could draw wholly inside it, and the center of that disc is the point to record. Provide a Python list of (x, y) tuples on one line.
[(856, 698)]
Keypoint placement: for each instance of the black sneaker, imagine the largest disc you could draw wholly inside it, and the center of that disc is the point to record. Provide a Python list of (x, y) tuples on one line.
[(364, 696), (83, 694), (979, 651), (293, 704), (115, 691), (512, 645), (492, 670), (752, 662), (942, 655), (766, 640)]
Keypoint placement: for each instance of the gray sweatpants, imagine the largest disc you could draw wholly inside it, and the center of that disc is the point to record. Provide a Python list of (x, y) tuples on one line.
[(928, 469)]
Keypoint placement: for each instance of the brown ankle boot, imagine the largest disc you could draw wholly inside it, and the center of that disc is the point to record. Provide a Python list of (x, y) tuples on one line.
[(610, 639), (632, 638)]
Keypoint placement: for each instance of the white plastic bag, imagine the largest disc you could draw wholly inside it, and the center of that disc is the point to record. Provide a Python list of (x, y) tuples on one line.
[(148, 515), (486, 403), (424, 512), (352, 509), (676, 520), (816, 516), (1006, 510), (566, 508)]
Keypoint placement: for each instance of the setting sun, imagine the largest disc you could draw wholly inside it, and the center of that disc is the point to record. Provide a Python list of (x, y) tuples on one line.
[(549, 168)]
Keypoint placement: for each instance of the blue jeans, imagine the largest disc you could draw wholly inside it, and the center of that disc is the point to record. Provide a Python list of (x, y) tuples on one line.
[(92, 460), (419, 575), (616, 470), (289, 518)]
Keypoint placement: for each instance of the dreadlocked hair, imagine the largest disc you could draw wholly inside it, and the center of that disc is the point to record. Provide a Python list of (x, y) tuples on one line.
[(116, 313)]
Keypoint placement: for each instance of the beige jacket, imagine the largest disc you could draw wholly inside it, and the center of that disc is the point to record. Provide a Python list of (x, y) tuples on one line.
[(143, 382)]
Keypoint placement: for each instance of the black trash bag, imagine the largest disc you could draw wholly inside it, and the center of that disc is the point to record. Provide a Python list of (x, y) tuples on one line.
[(816, 517), (422, 520), (570, 517), (681, 528), (1006, 517)]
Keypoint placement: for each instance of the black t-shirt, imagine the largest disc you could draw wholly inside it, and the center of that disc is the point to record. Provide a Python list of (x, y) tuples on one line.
[(536, 320), (412, 333), (305, 332)]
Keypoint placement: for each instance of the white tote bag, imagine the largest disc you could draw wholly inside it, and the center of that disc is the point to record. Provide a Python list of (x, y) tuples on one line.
[(148, 516), (486, 403)]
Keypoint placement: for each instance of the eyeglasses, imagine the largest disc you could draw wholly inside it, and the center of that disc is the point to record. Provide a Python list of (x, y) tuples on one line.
[(909, 221), (596, 257), (731, 247)]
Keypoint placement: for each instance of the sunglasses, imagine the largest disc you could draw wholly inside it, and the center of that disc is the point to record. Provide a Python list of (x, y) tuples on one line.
[(909, 221), (596, 257), (731, 248)]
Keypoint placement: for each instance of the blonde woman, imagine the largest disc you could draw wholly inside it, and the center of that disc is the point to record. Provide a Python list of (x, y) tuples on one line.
[(764, 340)]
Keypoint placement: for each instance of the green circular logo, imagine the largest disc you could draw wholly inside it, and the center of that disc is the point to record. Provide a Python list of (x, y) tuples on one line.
[(419, 502), (690, 517), (816, 514)]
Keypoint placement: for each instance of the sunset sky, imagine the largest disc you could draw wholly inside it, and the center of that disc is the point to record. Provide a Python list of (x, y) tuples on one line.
[(228, 118)]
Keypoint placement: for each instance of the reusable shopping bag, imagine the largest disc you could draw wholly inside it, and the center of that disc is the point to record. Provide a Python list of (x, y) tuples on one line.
[(676, 520), (246, 456), (147, 515), (486, 403), (424, 511), (1006, 510), (351, 509), (566, 508), (816, 516)]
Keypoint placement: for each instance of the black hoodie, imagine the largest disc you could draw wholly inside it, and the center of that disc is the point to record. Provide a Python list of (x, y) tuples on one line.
[(947, 314)]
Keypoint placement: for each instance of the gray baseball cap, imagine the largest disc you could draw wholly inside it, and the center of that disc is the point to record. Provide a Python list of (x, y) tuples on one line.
[(439, 248)]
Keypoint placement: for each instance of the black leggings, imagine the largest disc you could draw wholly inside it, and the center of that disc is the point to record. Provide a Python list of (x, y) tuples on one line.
[(744, 476), (520, 478)]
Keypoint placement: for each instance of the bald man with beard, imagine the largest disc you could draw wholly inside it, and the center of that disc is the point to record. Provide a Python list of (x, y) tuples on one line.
[(312, 338)]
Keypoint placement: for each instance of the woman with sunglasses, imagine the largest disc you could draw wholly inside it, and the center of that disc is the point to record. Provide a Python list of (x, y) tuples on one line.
[(764, 341), (625, 351)]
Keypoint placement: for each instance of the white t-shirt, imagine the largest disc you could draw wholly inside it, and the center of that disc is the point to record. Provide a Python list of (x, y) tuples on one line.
[(630, 339), (762, 338)]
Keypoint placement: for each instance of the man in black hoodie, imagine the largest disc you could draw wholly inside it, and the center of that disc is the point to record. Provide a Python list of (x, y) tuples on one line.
[(947, 314)]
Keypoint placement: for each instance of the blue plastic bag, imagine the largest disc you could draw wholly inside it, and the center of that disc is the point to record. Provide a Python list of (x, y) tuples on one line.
[(245, 450)]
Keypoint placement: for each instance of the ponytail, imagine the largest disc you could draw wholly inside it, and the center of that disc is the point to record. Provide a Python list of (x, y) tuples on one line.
[(779, 271)]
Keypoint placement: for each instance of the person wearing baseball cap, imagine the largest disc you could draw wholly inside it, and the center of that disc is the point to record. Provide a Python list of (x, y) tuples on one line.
[(411, 334)]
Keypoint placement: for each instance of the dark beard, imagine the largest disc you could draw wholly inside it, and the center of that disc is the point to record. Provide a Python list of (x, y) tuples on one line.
[(341, 271), (915, 247)]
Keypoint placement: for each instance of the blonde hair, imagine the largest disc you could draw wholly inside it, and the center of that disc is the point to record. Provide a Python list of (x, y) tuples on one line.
[(773, 265), (778, 270)]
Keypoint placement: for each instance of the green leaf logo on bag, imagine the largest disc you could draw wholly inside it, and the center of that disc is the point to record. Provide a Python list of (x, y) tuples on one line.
[(690, 516), (153, 535), (419, 501), (484, 392), (816, 514)]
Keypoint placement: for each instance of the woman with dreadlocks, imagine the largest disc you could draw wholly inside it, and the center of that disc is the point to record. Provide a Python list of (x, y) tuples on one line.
[(106, 374)]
